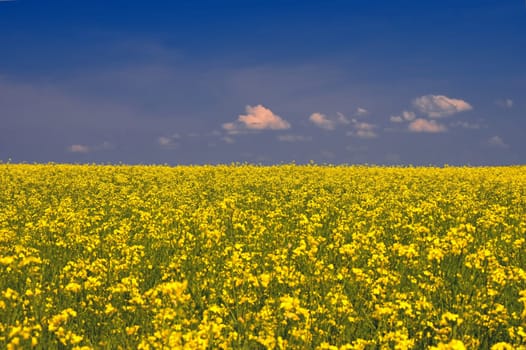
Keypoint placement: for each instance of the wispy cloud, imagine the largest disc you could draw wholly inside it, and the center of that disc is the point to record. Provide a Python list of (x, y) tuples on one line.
[(437, 106), (231, 128), (293, 138), (357, 128), (53, 106), (424, 125), (322, 121), (433, 106), (498, 142), (168, 142), (361, 111), (405, 116), (505, 103), (79, 148), (228, 139), (465, 125), (257, 118), (362, 130), (342, 119)]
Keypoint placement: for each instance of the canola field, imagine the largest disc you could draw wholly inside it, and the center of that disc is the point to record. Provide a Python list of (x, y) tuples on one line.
[(262, 257)]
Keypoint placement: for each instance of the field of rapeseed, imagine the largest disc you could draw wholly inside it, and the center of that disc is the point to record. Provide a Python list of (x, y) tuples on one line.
[(253, 257)]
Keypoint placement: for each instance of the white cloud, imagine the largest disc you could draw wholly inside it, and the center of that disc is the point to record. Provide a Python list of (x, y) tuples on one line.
[(358, 129), (366, 134), (261, 118), (342, 119), (322, 121), (169, 142), (409, 116), (405, 116), (363, 130), (506, 103), (229, 140), (423, 125), (293, 138), (79, 148), (497, 141), (257, 118), (105, 146), (436, 106), (361, 111), (465, 125), (164, 141), (231, 128)]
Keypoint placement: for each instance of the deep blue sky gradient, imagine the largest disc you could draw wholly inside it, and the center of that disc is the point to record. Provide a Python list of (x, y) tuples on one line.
[(155, 81)]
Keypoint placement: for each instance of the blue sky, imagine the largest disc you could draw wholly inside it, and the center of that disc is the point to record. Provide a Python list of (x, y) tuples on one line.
[(194, 82)]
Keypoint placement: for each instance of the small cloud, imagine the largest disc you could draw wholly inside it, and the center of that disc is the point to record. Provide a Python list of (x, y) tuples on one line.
[(505, 103), (104, 146), (358, 129), (257, 118), (168, 142), (361, 111), (423, 125), (342, 119), (497, 141), (293, 138), (163, 141), (436, 106), (363, 130), (465, 125), (231, 128), (322, 121), (228, 139), (406, 116), (260, 118), (79, 149), (366, 134)]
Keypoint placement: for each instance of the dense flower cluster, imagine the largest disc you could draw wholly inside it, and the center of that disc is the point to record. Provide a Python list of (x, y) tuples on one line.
[(288, 257)]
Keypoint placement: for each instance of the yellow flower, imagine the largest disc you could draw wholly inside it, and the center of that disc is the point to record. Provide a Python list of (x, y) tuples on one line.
[(454, 344), (502, 346), (132, 330), (264, 279), (7, 260), (73, 287), (110, 309)]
